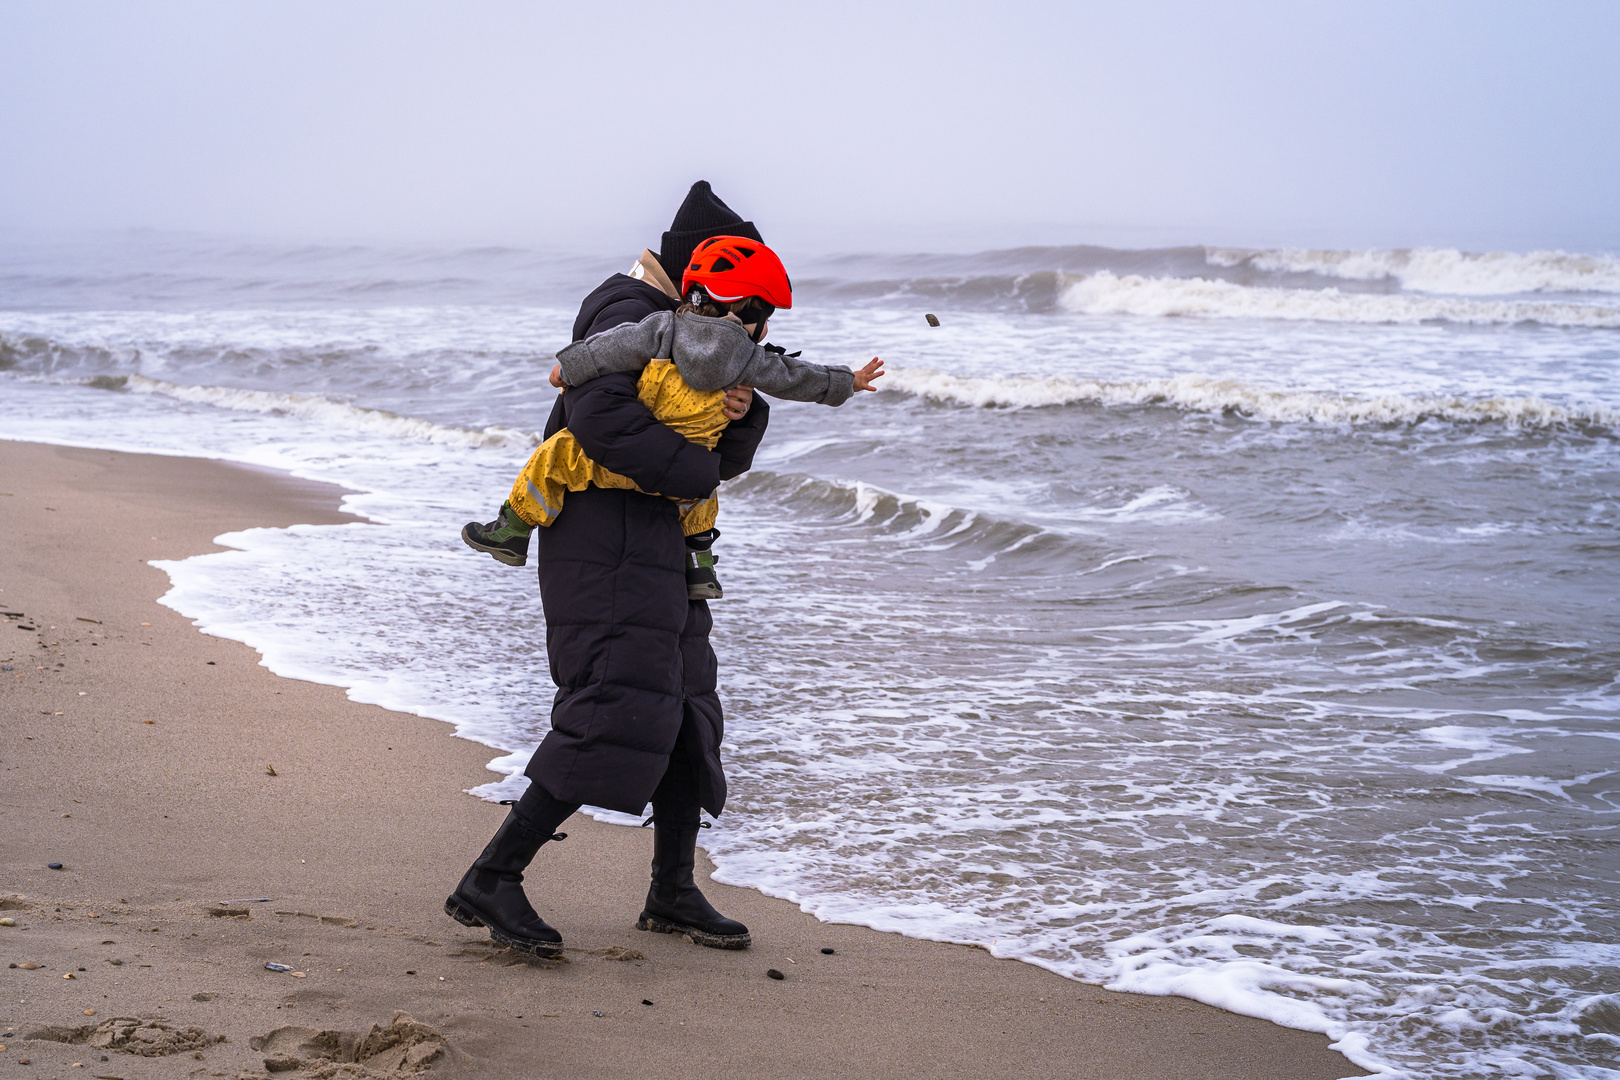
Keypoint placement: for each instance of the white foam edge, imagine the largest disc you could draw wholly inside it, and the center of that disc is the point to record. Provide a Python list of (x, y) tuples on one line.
[(189, 600), (1439, 270), (1211, 394), (1245, 997), (1107, 293)]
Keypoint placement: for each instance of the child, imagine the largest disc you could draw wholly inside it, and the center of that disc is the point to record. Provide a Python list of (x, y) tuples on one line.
[(689, 358)]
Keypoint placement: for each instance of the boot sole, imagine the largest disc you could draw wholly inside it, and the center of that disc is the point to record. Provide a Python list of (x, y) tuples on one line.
[(656, 925), (498, 554), (466, 916)]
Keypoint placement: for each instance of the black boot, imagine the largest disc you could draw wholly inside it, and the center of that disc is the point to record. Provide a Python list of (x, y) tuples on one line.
[(506, 539), (491, 892), (702, 583), (674, 903)]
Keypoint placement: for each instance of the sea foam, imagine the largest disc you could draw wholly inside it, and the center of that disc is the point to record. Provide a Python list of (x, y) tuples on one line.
[(1440, 270), (1202, 393), (322, 410), (1105, 293)]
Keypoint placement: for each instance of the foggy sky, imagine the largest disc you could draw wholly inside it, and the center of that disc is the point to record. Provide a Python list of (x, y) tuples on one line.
[(864, 125)]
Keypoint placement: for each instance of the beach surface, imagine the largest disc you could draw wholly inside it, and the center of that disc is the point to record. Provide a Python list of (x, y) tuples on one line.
[(211, 818)]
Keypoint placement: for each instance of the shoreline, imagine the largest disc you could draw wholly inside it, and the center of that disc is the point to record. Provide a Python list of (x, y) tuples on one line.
[(150, 782)]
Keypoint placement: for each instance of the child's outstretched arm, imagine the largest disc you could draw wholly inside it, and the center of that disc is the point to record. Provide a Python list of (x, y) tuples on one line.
[(711, 354)]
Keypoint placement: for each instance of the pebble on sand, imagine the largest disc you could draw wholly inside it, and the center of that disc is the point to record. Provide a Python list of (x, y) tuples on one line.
[(53, 866), (826, 952), (772, 973), (8, 922), (933, 320)]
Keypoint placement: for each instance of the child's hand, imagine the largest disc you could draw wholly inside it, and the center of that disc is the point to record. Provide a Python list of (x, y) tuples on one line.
[(869, 374), (556, 377)]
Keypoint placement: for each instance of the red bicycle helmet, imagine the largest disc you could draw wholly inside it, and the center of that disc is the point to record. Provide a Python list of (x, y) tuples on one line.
[(732, 268)]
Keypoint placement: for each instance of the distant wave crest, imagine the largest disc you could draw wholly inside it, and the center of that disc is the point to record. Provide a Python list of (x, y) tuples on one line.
[(324, 410), (1103, 293), (1440, 270), (1201, 393)]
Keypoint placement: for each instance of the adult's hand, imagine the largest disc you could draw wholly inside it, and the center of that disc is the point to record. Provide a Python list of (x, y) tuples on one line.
[(556, 377), (738, 400)]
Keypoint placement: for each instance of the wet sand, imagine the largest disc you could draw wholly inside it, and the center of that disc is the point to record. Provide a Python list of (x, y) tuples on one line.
[(137, 752)]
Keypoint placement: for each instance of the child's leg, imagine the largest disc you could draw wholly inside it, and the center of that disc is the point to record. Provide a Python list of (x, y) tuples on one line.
[(537, 493), (702, 583), (536, 499)]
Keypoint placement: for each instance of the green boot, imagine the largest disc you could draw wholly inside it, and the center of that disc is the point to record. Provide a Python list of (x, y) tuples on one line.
[(506, 539), (701, 581)]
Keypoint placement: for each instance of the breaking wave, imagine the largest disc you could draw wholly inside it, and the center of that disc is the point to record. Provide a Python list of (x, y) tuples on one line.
[(325, 411), (1103, 293), (1440, 270), (1202, 393)]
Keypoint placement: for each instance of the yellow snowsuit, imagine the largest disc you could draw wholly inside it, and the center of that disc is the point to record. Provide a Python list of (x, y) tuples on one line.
[(559, 464)]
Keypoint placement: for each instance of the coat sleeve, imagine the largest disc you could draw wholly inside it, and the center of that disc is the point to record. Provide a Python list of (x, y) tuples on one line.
[(625, 347), (619, 433), (741, 438), (711, 354), (792, 379)]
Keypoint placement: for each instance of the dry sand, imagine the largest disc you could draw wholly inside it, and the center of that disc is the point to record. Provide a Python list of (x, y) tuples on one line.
[(135, 751)]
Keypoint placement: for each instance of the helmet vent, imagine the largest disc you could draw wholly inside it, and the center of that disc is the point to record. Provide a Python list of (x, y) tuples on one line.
[(722, 264), (747, 253)]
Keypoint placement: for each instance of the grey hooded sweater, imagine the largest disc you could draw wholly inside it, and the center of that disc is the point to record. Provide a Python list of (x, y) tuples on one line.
[(711, 354)]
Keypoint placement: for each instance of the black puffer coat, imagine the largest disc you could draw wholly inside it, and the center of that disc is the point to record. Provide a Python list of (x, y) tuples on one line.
[(629, 653)]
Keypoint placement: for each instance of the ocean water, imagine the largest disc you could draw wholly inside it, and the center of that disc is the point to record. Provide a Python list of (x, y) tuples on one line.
[(1237, 624)]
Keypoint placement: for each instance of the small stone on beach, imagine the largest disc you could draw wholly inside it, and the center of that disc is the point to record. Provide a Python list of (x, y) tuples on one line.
[(772, 973), (826, 952), (644, 1001), (8, 922), (933, 320), (53, 865)]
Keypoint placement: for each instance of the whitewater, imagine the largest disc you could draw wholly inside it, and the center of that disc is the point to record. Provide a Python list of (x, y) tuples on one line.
[(1232, 623)]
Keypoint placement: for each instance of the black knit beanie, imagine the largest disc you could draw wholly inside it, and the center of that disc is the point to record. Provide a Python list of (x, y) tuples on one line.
[(701, 216)]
